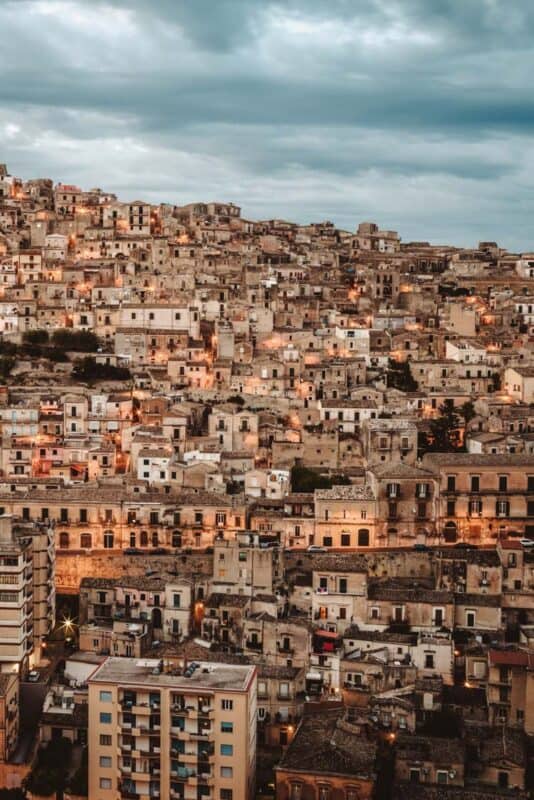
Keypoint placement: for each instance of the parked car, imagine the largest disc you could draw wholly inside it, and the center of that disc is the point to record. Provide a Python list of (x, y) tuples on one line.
[(421, 548), (133, 551), (527, 542), (316, 548)]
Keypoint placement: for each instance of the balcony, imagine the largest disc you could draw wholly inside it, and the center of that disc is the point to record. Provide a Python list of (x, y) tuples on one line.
[(252, 644), (285, 649), (141, 709), (285, 698), (189, 757), (201, 735)]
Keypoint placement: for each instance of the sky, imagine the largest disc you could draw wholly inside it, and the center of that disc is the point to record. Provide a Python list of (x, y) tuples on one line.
[(415, 114)]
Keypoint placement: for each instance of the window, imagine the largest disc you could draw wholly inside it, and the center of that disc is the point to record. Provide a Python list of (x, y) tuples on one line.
[(105, 740), (324, 793), (105, 783), (475, 483), (451, 483), (227, 750), (438, 616), (227, 727), (176, 600), (342, 586), (105, 761), (295, 791), (106, 697), (475, 508), (85, 541), (441, 776), (503, 483), (451, 508), (375, 612), (108, 540), (363, 537), (226, 794), (345, 540), (227, 705), (105, 718), (429, 660), (503, 508), (227, 772), (327, 541), (63, 540), (414, 776), (470, 619)]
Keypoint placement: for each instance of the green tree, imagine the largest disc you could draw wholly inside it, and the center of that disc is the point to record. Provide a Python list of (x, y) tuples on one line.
[(50, 772), (467, 410), (88, 369), (6, 365), (445, 430), (81, 341), (79, 783), (307, 480), (399, 376), (35, 337)]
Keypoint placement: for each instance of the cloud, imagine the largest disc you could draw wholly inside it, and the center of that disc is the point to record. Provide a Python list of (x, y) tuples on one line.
[(418, 112)]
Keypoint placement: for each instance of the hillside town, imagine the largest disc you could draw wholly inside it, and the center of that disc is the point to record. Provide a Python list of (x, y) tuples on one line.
[(266, 506)]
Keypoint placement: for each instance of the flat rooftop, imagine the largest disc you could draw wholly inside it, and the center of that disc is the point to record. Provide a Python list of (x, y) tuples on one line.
[(146, 672)]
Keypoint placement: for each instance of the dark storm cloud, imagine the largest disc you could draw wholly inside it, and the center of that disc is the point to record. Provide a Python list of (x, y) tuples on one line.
[(419, 112)]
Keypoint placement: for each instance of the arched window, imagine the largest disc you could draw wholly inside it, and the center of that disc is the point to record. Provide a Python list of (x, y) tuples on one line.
[(144, 539), (363, 537), (132, 538), (86, 541), (64, 540), (154, 539), (450, 532), (108, 540), (176, 539)]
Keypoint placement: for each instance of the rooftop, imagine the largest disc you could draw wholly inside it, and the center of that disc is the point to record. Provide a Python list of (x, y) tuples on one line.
[(147, 672)]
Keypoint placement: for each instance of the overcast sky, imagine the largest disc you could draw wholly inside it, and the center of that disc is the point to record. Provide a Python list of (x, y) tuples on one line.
[(417, 114)]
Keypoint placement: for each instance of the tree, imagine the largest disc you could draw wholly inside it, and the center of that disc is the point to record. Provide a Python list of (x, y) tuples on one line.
[(467, 410), (400, 376), (49, 774), (82, 341), (6, 365), (307, 480), (88, 369), (445, 431), (35, 337), (79, 783)]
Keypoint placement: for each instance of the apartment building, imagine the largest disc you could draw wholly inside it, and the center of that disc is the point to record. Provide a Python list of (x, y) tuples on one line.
[(173, 731), (27, 600)]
